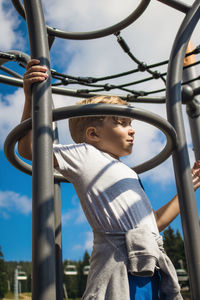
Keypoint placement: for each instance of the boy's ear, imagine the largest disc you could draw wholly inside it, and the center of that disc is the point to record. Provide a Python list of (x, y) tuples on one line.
[(92, 134)]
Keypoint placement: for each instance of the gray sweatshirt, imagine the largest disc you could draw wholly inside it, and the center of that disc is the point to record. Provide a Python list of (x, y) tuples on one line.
[(138, 251)]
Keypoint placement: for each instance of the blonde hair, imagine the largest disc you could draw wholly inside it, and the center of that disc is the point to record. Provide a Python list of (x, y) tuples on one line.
[(78, 125)]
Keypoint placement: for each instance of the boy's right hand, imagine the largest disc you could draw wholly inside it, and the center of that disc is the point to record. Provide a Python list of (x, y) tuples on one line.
[(34, 73)]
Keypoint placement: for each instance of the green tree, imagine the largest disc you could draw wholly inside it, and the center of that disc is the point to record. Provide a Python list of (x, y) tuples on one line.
[(70, 281), (174, 247), (75, 284), (3, 276), (82, 278)]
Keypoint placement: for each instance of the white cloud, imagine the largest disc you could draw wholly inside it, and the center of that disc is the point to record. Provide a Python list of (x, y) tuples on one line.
[(75, 216), (11, 106), (89, 240), (11, 201), (88, 15), (63, 128), (9, 22), (87, 244)]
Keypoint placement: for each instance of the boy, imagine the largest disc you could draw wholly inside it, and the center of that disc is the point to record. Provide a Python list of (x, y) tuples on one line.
[(128, 260)]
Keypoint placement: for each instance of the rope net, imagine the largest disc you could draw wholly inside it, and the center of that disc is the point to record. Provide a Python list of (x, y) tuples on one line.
[(89, 84)]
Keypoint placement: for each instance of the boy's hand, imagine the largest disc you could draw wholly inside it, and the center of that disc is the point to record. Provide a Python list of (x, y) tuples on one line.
[(34, 73), (196, 175)]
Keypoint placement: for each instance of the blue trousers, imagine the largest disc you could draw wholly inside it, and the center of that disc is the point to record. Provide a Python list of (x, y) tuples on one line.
[(144, 288)]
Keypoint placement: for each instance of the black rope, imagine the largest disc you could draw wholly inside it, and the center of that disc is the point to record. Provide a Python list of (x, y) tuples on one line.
[(142, 66), (65, 79)]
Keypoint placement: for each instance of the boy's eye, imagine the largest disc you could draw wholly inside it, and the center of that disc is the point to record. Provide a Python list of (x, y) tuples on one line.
[(125, 122)]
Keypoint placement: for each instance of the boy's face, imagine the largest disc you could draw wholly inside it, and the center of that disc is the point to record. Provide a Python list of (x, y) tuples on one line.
[(116, 137)]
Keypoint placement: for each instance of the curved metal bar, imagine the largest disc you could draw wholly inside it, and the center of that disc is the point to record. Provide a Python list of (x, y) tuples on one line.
[(196, 91), (19, 8), (24, 58), (91, 34), (188, 208), (95, 109)]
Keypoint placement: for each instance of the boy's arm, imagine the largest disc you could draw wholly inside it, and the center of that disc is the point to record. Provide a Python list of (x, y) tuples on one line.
[(34, 73), (167, 213)]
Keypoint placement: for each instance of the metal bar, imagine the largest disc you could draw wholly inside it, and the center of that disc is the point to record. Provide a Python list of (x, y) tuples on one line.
[(58, 242), (193, 107), (19, 7), (43, 240), (11, 72), (188, 208), (58, 228), (196, 91), (131, 98), (179, 5), (75, 93), (11, 80), (51, 40), (92, 34)]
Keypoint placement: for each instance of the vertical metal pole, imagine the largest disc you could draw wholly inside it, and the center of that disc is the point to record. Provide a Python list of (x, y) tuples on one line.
[(189, 216), (43, 240), (58, 230), (58, 243), (193, 108)]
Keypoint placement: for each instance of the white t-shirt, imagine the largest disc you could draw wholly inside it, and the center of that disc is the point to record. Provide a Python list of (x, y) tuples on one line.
[(109, 191)]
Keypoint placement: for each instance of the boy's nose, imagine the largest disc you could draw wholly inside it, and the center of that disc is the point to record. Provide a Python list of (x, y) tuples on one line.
[(131, 131)]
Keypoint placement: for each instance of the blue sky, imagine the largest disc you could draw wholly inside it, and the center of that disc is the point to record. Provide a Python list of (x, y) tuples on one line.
[(150, 39)]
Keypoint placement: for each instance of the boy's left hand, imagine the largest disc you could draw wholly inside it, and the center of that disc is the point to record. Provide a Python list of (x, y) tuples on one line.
[(196, 175)]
